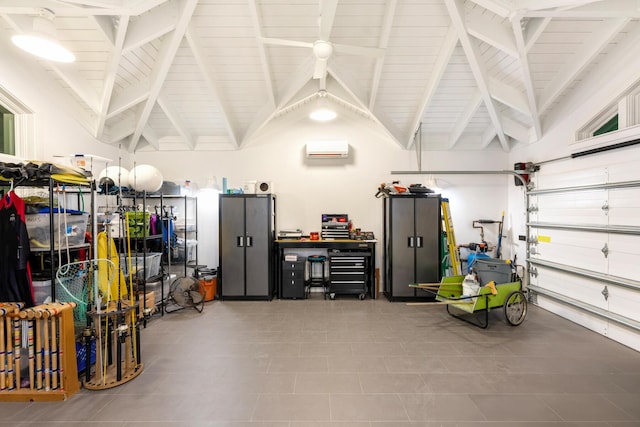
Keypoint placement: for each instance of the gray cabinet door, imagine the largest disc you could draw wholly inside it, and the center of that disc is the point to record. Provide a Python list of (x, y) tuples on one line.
[(257, 217), (402, 251), (427, 216), (232, 246)]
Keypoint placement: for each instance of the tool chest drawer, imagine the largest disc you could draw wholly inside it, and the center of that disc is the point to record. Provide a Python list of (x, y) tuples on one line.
[(292, 284)]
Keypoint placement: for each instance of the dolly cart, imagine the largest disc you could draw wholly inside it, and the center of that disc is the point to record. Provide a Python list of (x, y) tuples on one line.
[(500, 288)]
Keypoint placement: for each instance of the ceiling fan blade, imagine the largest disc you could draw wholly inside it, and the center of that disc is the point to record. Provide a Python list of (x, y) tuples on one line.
[(327, 15), (285, 42), (320, 69), (358, 50)]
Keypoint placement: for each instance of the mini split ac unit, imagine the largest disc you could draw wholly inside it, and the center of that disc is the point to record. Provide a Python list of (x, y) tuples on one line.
[(327, 149)]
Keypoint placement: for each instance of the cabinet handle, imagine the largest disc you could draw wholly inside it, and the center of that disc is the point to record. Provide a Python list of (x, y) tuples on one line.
[(249, 241), (240, 241), (411, 243), (419, 241)]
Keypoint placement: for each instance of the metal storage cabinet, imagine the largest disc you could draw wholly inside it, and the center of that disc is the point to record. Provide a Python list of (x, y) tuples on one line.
[(292, 279), (246, 241), (412, 230)]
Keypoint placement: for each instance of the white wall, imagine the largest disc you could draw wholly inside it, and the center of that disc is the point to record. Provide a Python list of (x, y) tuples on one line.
[(305, 189)]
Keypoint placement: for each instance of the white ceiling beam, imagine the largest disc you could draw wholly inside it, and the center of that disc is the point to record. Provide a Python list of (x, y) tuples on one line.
[(205, 69), (264, 63), (151, 25), (383, 42), (177, 122), (110, 73), (301, 77), (532, 104), (105, 25), (151, 137), (580, 59), (499, 7), (465, 118), (354, 89), (166, 56), (487, 137), (128, 98), (456, 8), (515, 130), (534, 29), (79, 85), (444, 56), (492, 32), (508, 95), (121, 130)]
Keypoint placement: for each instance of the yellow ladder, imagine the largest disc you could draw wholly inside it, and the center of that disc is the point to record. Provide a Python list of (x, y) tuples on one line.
[(454, 256)]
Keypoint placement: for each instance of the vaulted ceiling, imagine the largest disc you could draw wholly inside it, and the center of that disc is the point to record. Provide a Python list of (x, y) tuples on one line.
[(213, 74)]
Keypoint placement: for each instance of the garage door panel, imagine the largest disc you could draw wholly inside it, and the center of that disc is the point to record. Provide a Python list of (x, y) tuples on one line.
[(576, 249), (585, 290), (574, 178), (583, 207), (624, 172), (624, 301), (624, 206), (624, 255)]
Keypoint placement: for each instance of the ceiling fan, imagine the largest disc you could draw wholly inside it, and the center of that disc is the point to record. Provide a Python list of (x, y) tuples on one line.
[(322, 47)]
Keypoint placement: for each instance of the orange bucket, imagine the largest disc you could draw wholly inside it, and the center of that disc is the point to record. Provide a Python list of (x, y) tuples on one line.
[(210, 288)]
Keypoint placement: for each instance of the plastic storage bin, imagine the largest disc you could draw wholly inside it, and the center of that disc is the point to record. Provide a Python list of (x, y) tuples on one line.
[(41, 290), (72, 230), (144, 266), (489, 269)]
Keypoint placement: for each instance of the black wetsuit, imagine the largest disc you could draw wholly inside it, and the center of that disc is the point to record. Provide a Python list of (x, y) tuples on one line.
[(15, 274)]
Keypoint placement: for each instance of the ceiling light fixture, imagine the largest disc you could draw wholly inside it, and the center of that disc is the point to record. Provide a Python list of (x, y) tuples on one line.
[(42, 40), (322, 112)]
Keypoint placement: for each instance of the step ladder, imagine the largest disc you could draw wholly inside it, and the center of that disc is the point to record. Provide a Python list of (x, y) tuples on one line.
[(454, 256)]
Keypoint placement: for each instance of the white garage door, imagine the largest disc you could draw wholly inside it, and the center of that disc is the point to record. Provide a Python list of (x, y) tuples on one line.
[(584, 243)]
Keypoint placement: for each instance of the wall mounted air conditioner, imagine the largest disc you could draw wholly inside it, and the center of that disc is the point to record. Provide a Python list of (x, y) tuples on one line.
[(327, 149)]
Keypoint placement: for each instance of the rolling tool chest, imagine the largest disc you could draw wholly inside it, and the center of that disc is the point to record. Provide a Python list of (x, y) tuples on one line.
[(348, 272)]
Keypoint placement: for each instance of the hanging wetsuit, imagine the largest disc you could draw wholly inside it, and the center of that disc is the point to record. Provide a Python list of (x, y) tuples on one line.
[(15, 273)]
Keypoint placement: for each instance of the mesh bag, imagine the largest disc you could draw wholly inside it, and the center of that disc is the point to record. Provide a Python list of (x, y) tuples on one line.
[(75, 283)]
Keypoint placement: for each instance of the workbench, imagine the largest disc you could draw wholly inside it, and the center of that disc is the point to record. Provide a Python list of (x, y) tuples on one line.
[(365, 248)]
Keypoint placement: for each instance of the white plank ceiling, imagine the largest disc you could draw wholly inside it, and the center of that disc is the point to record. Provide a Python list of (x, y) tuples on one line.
[(214, 74)]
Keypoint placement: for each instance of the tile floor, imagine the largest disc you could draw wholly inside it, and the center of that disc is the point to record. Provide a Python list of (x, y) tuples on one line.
[(316, 363)]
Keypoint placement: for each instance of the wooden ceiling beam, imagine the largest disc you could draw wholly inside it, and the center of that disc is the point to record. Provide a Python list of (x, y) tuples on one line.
[(264, 62), (444, 57), (383, 42), (456, 8), (177, 122), (465, 118), (212, 84), (150, 26), (110, 73), (166, 56)]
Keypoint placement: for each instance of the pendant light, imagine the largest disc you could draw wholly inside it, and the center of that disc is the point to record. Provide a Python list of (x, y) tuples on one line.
[(322, 112), (42, 40)]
